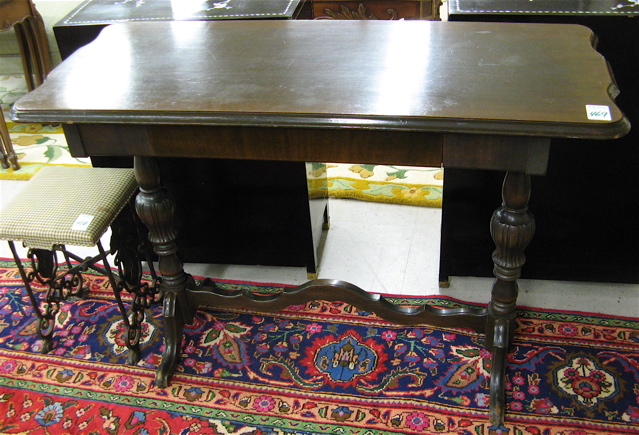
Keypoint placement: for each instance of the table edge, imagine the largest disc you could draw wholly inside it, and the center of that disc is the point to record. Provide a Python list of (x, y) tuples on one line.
[(592, 130)]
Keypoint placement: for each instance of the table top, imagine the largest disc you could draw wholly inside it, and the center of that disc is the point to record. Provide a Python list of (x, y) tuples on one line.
[(502, 78), (545, 7), (93, 12)]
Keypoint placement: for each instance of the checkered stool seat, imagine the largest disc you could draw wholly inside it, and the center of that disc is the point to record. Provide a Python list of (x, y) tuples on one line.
[(67, 205), (73, 206)]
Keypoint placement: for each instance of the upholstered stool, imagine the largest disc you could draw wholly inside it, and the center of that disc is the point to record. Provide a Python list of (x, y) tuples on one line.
[(75, 206)]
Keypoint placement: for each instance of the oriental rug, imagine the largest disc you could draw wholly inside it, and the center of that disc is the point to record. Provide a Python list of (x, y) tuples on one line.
[(38, 145), (319, 368)]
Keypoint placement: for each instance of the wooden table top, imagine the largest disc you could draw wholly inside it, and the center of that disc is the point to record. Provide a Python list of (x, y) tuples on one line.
[(501, 78)]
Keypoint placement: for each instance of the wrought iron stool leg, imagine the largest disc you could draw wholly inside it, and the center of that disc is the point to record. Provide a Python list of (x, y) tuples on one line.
[(60, 286), (130, 248), (63, 283), (132, 336), (46, 319)]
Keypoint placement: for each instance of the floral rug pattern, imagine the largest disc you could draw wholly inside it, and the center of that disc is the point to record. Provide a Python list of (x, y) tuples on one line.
[(318, 368), (38, 145), (390, 184)]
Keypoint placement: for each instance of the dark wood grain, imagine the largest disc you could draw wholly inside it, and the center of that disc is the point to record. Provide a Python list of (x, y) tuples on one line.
[(345, 145), (376, 9), (455, 77), (336, 290)]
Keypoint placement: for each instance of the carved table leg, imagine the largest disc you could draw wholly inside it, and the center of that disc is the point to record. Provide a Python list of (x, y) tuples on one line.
[(512, 228), (155, 208)]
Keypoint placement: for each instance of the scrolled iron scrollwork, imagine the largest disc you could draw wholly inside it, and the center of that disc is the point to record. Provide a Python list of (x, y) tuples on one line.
[(63, 280), (61, 284), (129, 248)]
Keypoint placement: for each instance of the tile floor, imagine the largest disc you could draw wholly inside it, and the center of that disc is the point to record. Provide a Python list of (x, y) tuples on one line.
[(395, 250)]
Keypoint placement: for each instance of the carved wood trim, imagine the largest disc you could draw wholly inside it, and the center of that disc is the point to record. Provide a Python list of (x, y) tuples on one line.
[(360, 14)]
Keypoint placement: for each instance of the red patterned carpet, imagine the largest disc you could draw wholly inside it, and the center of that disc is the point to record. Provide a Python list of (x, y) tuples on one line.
[(322, 368)]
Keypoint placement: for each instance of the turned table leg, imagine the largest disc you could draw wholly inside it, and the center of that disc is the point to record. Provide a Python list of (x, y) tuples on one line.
[(155, 208), (512, 228)]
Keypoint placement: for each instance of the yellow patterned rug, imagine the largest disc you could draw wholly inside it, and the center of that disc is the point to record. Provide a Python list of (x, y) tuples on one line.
[(408, 185), (40, 145), (35, 145)]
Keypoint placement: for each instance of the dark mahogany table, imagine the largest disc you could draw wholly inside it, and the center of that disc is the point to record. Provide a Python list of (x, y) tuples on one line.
[(567, 203), (487, 96)]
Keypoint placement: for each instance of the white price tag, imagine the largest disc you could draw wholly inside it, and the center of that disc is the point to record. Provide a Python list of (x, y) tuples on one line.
[(598, 113), (82, 222)]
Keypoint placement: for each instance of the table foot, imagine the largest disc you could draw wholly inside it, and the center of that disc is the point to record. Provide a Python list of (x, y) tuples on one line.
[(173, 329), (155, 208), (499, 350), (512, 228)]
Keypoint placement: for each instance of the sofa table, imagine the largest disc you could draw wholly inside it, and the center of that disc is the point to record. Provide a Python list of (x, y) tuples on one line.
[(487, 96)]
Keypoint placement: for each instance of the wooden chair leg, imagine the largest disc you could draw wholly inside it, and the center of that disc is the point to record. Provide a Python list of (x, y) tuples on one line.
[(36, 63), (9, 158), (26, 45), (34, 50), (41, 55)]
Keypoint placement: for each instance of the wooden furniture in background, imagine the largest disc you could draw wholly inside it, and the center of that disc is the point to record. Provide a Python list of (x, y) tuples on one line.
[(84, 23), (597, 196), (376, 9), (22, 16), (476, 98)]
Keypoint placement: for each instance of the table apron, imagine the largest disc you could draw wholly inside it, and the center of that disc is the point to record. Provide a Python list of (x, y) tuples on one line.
[(338, 145), (505, 153)]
